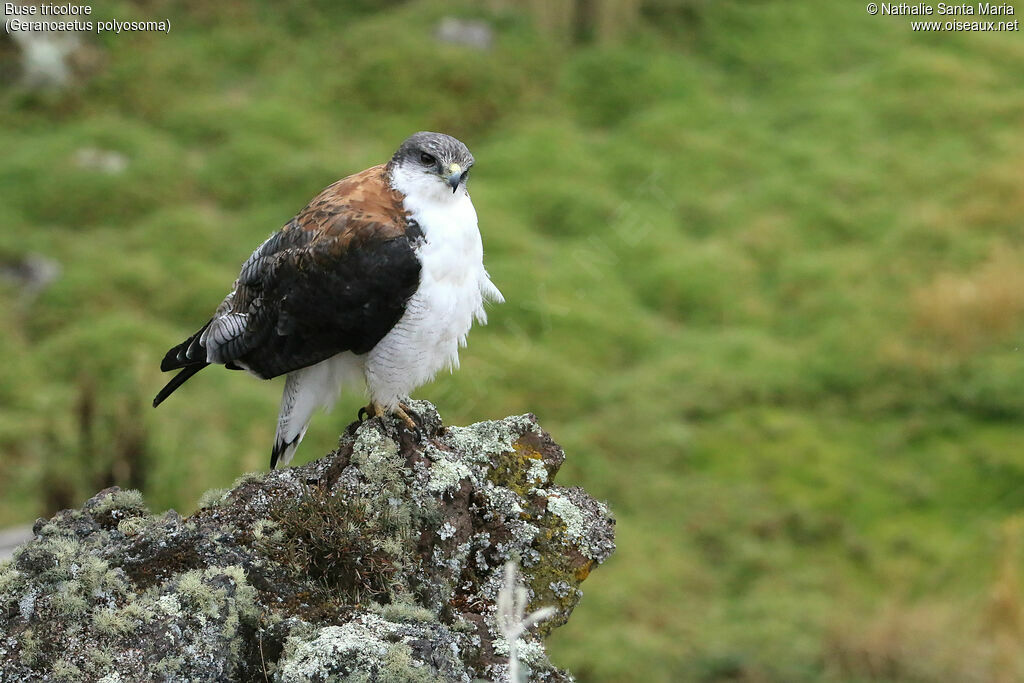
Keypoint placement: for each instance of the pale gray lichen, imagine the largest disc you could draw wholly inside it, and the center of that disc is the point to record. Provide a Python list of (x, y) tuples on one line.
[(170, 605), (372, 648), (570, 514), (371, 447), (537, 475), (335, 651), (560, 588), (576, 508), (27, 603), (446, 475), (446, 531), (484, 439), (503, 501)]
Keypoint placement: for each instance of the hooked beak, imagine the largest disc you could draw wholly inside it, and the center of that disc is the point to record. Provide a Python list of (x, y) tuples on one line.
[(455, 175)]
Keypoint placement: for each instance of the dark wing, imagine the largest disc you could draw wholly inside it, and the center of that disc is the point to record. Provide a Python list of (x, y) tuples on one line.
[(336, 278)]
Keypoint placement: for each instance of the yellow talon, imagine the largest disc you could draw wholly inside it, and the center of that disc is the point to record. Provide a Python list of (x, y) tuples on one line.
[(400, 411), (375, 409)]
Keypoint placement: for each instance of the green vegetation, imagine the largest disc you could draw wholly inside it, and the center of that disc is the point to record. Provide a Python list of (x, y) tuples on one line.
[(765, 279)]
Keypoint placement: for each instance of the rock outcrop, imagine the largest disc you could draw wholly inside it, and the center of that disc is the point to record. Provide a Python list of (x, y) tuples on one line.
[(379, 562)]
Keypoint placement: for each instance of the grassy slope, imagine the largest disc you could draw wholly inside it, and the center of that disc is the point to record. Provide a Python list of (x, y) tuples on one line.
[(763, 280)]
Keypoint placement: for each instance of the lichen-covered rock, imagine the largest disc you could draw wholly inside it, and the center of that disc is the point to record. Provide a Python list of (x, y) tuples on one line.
[(380, 562)]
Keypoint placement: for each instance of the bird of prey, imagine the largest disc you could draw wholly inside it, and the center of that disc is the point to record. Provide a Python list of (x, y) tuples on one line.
[(377, 279)]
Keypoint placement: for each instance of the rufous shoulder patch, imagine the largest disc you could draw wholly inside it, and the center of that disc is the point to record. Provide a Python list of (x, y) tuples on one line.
[(354, 210)]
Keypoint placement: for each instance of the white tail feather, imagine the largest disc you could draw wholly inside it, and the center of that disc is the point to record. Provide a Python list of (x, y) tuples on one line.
[(305, 391)]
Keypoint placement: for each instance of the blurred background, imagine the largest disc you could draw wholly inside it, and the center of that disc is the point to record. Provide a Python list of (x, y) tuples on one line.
[(764, 264)]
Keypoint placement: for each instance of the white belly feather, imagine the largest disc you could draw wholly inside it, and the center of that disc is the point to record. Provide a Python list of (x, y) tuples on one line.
[(453, 287)]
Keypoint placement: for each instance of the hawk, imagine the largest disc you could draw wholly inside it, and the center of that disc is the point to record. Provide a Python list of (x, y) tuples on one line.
[(378, 279)]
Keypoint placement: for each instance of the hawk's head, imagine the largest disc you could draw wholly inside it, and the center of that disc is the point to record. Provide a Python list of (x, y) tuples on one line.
[(431, 164)]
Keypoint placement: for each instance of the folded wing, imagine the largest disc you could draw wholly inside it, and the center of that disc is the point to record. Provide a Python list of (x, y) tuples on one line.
[(336, 278)]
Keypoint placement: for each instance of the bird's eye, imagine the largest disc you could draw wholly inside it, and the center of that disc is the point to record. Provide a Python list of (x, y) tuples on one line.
[(427, 159)]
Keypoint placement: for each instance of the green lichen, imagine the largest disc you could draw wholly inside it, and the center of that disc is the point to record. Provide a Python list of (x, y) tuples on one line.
[(169, 666), (198, 596), (100, 660), (266, 529), (62, 551), (400, 667), (98, 579), (169, 605), (300, 630), (213, 498), (404, 610), (248, 478), (245, 595), (59, 525), (553, 582), (11, 580), (128, 502), (50, 529), (64, 670), (376, 455), (335, 651), (133, 526), (463, 625), (137, 611), (521, 468), (68, 600), (112, 622), (31, 648)]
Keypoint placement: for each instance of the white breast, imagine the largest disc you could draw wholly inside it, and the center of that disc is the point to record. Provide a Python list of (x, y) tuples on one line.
[(452, 291)]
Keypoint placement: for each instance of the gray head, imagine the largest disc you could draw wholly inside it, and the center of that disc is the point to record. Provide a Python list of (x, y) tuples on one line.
[(428, 161)]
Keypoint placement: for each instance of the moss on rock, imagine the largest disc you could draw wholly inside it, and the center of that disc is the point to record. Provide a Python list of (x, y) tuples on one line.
[(379, 562)]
